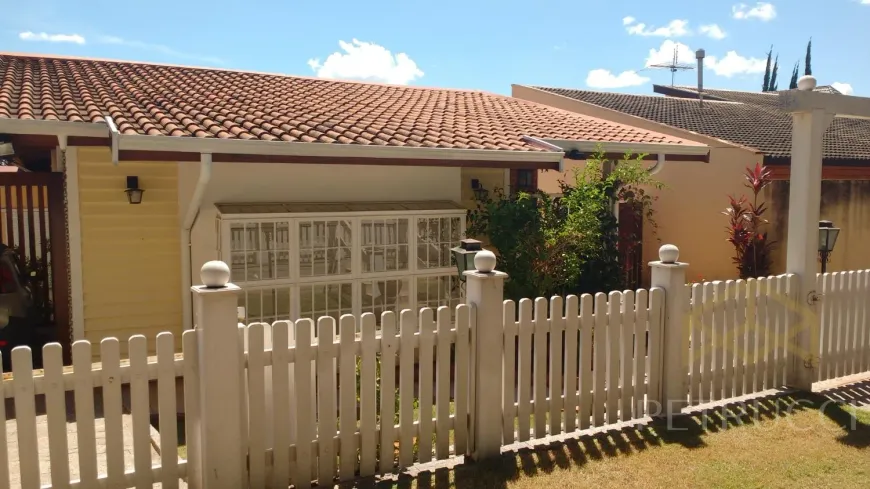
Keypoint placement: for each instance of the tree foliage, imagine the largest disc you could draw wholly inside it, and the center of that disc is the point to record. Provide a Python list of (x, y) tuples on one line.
[(566, 245), (808, 66), (753, 250)]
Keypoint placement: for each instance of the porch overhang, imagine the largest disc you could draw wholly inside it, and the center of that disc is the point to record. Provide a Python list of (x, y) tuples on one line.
[(796, 101)]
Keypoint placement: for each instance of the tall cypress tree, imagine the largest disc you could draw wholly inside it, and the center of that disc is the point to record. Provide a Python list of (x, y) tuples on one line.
[(794, 76), (774, 86), (808, 68), (765, 87)]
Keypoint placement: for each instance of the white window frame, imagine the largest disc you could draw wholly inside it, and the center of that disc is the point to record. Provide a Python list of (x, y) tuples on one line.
[(357, 276)]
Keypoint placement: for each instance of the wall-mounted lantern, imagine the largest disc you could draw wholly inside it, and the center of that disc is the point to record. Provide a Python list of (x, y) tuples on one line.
[(827, 239), (480, 193), (463, 255), (134, 193)]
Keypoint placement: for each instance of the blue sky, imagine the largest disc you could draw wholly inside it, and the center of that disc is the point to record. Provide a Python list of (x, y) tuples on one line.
[(480, 44)]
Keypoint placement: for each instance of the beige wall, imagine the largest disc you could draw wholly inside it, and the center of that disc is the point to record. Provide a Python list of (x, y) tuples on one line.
[(689, 210), (130, 253), (844, 202), (266, 182)]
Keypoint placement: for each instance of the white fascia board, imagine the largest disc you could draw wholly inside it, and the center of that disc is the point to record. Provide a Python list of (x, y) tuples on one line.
[(633, 148)]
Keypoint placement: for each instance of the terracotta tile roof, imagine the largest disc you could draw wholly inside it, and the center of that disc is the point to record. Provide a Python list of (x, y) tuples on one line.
[(750, 119), (180, 101)]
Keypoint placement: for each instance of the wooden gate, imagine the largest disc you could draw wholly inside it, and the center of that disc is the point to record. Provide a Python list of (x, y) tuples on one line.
[(33, 222), (631, 244)]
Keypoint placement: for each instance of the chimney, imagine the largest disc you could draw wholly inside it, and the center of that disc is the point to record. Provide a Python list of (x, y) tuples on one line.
[(699, 55)]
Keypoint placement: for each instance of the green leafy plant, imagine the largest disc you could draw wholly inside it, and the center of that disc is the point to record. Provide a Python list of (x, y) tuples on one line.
[(567, 245), (753, 249)]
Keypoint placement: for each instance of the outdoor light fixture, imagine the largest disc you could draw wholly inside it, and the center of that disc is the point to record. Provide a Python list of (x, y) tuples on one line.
[(134, 193), (463, 255), (480, 193), (827, 239)]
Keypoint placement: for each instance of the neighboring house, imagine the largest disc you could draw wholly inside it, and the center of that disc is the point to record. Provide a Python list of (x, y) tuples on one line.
[(741, 129), (325, 197)]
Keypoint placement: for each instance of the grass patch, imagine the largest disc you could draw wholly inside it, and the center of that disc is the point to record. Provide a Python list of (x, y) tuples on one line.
[(773, 442)]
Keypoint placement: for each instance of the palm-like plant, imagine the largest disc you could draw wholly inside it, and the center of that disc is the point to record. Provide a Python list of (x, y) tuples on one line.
[(753, 248)]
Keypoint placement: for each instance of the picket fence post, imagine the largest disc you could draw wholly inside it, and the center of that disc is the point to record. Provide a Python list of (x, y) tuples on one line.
[(218, 424), (670, 275), (485, 291)]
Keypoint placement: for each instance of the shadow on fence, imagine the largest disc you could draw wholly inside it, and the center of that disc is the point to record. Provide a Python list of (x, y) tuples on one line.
[(688, 431)]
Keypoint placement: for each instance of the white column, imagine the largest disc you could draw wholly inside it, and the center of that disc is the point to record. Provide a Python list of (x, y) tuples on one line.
[(485, 290), (218, 430), (804, 203), (670, 275)]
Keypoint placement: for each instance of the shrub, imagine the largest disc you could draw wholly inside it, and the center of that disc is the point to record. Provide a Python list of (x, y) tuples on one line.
[(753, 249)]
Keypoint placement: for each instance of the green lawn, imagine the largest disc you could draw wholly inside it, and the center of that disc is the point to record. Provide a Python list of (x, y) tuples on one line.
[(782, 442)]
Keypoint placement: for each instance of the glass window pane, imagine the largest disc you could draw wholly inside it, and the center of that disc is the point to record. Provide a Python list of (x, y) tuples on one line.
[(324, 248), (379, 296), (384, 245), (435, 238), (318, 300), (442, 290), (266, 305)]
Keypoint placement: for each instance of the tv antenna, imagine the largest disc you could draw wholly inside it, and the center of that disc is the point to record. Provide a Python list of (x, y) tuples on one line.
[(674, 66)]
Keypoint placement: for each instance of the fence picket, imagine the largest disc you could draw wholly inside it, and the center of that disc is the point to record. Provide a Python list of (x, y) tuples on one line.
[(509, 377), (572, 374), (539, 376), (327, 419), (729, 337), (752, 327), (191, 402), (389, 346), (656, 335), (55, 410), (525, 369), (599, 352), (783, 329), (851, 324), (25, 417), (706, 353), (717, 339), (139, 409), (626, 356), (4, 455), (696, 319), (740, 332), (557, 327), (427, 360), (408, 326), (245, 441), (304, 414), (256, 372), (774, 328), (640, 339), (348, 458), (613, 345), (862, 299), (587, 323), (167, 410), (280, 404), (85, 420), (110, 358), (442, 383), (837, 285), (462, 374)]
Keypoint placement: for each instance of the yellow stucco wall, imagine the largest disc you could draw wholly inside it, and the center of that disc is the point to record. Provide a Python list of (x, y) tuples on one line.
[(131, 257), (688, 210)]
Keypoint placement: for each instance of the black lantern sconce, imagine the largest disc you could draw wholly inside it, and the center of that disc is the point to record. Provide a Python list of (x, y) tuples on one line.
[(134, 193), (827, 239), (480, 193), (463, 255)]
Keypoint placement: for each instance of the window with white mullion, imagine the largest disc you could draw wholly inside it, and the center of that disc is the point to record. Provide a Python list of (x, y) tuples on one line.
[(384, 244)]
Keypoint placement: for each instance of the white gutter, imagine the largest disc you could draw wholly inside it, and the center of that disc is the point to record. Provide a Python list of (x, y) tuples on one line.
[(547, 146), (40, 126), (115, 135), (186, 229), (634, 148)]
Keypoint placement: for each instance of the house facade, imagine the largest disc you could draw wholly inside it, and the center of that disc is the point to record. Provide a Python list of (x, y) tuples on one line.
[(742, 129), (325, 197)]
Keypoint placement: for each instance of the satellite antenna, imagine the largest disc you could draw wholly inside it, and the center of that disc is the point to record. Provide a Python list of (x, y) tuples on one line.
[(674, 66)]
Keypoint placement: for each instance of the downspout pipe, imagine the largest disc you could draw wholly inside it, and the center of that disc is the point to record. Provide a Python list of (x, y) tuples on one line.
[(186, 241), (115, 137), (659, 164)]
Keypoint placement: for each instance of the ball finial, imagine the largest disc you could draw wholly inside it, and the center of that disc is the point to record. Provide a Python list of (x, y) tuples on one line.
[(806, 83), (484, 261), (215, 274), (669, 253)]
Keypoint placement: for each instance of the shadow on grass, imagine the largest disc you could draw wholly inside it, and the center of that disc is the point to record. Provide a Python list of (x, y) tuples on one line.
[(688, 431)]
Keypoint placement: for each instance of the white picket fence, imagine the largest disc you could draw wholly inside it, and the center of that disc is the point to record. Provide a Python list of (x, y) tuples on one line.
[(739, 334), (554, 377), (845, 318), (334, 401)]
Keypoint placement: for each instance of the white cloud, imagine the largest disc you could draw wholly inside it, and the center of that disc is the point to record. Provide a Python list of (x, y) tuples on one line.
[(601, 78), (675, 28), (713, 31), (665, 54), (734, 64), (367, 61), (158, 48), (762, 11), (630, 20), (44, 36), (845, 88)]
